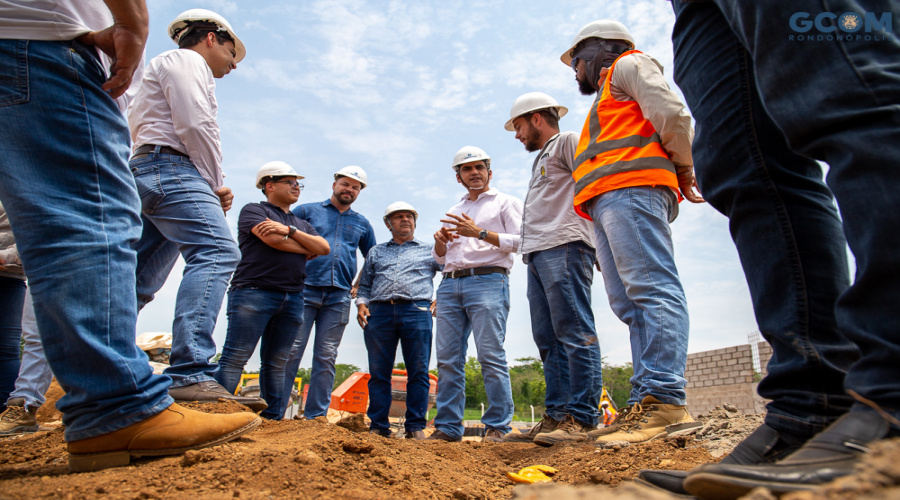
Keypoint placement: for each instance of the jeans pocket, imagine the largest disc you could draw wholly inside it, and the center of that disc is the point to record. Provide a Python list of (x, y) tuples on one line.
[(149, 186), (13, 72)]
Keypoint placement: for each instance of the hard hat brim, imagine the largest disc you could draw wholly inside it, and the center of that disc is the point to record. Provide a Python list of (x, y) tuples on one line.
[(562, 110)]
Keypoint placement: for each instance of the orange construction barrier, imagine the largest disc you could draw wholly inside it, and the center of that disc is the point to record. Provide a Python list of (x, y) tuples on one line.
[(353, 394)]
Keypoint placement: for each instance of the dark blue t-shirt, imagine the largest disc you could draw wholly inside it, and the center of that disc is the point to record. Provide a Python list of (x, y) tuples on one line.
[(262, 266)]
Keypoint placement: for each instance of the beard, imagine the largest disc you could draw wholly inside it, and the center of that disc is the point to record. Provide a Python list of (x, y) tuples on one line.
[(532, 138), (585, 87)]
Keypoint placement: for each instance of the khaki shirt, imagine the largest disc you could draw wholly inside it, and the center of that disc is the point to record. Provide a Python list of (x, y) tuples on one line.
[(549, 218)]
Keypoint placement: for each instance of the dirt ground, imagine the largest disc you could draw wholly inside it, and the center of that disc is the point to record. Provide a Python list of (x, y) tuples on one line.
[(317, 459)]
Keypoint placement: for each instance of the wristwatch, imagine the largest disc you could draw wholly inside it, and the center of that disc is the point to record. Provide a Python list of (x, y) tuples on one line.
[(483, 234), (292, 231)]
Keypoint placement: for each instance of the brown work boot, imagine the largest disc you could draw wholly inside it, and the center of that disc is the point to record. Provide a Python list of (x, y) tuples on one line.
[(613, 427), (209, 391), (173, 431), (442, 436), (547, 424), (568, 431), (647, 421), (17, 419), (492, 436), (419, 434)]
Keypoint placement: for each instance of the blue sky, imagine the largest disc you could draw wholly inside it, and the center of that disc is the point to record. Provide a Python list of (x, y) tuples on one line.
[(397, 87)]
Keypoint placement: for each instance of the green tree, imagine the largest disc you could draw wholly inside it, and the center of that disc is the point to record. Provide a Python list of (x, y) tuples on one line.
[(475, 394), (342, 372), (528, 385), (617, 380)]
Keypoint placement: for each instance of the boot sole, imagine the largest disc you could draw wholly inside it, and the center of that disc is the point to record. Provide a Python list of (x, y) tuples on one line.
[(22, 429), (551, 442), (718, 487), (256, 407), (88, 462)]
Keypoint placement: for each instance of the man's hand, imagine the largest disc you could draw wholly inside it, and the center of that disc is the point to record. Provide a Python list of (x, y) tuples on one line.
[(362, 315), (269, 226), (465, 226), (225, 197), (434, 308), (687, 183), (123, 42), (444, 236), (354, 290)]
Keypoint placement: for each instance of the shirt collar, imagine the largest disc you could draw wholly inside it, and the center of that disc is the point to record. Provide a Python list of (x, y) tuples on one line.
[(490, 192), (275, 207), (414, 240), (328, 203)]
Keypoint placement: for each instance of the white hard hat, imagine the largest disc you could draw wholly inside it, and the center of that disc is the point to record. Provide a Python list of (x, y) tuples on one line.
[(274, 169), (467, 154), (352, 172), (604, 28), (182, 24), (530, 102), (399, 206)]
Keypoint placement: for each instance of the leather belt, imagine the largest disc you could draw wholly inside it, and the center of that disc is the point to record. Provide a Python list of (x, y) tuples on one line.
[(147, 149), (393, 301), (476, 271)]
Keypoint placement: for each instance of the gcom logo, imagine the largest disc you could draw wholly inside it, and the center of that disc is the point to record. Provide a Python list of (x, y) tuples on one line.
[(846, 26)]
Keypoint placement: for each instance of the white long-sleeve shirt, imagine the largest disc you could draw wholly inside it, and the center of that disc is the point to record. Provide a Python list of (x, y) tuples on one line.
[(494, 211), (176, 107)]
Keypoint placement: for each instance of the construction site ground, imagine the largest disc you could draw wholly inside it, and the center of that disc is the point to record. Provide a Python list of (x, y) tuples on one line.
[(321, 459)]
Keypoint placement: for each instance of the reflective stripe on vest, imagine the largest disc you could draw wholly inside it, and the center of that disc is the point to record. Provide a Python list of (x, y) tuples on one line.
[(618, 148)]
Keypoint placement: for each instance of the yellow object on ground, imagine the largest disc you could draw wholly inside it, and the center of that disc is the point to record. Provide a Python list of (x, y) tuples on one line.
[(533, 474)]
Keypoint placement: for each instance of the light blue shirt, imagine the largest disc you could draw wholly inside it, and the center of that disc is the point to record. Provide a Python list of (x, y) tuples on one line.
[(398, 272), (345, 232)]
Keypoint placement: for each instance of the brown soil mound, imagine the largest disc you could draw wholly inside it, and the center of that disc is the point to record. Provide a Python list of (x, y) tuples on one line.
[(317, 459)]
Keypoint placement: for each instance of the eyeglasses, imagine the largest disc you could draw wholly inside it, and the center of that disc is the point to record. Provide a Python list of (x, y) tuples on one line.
[(586, 52), (291, 183)]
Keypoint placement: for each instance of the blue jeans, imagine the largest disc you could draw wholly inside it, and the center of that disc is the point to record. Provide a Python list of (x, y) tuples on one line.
[(778, 107), (562, 324), (477, 305), (181, 214), (408, 324), (12, 297), (276, 317), (634, 248), (65, 183), (329, 308), (34, 375)]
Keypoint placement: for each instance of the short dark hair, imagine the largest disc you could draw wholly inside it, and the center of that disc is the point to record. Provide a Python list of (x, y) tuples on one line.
[(197, 34), (549, 116), (272, 178)]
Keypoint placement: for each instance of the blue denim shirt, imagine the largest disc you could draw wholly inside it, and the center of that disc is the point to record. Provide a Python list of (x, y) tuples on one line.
[(345, 233), (394, 271)]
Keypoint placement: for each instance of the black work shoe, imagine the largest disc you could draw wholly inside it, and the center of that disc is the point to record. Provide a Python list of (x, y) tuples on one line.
[(829, 455), (386, 433), (763, 446), (442, 436), (492, 436), (419, 434), (209, 391)]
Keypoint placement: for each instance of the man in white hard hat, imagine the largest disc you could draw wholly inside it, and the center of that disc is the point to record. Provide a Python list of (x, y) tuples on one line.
[(177, 165), (633, 157), (557, 246), (476, 245), (78, 249), (394, 307), (328, 284), (266, 296)]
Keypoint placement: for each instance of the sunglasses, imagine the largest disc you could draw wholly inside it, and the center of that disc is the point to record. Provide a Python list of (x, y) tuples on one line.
[(291, 183)]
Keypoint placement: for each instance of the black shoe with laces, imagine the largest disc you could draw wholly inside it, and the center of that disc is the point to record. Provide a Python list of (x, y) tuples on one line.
[(831, 454), (763, 446)]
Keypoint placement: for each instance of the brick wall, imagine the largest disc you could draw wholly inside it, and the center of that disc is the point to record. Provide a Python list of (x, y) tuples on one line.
[(725, 376)]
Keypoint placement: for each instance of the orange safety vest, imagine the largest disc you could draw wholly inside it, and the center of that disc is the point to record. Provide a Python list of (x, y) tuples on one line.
[(618, 148)]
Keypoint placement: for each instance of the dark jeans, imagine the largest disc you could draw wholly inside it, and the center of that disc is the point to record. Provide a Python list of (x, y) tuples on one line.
[(766, 108), (274, 317), (408, 324), (12, 299)]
